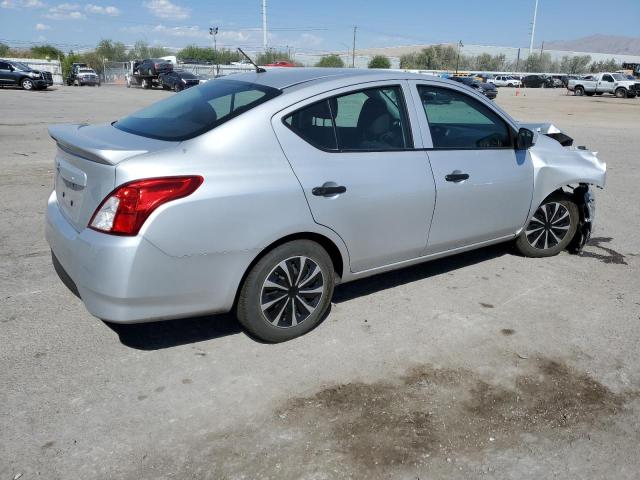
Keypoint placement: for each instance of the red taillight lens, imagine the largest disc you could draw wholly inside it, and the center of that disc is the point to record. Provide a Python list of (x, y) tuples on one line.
[(125, 210)]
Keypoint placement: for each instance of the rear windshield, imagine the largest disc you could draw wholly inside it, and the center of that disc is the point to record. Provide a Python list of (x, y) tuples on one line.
[(196, 110)]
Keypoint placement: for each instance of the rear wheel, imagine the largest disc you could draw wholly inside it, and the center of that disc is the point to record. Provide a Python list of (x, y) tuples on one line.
[(551, 228), (578, 91), (287, 292)]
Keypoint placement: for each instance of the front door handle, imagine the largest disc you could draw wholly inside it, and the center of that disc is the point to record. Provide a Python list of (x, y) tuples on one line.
[(456, 177), (328, 191)]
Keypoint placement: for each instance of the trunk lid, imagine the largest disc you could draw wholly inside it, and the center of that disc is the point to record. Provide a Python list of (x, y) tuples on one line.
[(85, 165)]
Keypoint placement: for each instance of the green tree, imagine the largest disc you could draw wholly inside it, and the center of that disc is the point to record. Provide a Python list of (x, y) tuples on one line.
[(4, 50), (142, 50), (201, 54), (69, 59), (574, 64), (272, 56), (112, 51), (46, 51), (380, 61), (331, 61), (610, 65)]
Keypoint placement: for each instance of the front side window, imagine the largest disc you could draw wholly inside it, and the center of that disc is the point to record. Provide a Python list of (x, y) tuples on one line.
[(374, 119), (196, 110), (458, 121), (4, 66), (607, 78)]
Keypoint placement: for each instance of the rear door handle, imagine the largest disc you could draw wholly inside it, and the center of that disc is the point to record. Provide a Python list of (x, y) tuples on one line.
[(328, 191), (456, 177)]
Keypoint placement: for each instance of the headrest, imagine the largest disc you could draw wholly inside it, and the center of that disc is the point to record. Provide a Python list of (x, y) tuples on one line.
[(320, 110)]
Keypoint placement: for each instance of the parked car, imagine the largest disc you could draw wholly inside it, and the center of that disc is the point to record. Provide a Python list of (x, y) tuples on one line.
[(178, 80), (537, 81), (153, 66), (83, 76), (280, 63), (504, 81), (613, 83), (17, 74), (261, 192), (487, 89)]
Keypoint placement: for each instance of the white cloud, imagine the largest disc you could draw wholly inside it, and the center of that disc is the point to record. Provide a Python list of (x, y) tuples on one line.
[(22, 4), (41, 26), (166, 9), (66, 11), (99, 10)]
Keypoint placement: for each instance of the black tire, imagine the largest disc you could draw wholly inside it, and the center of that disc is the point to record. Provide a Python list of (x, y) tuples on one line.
[(176, 88), (274, 323), (27, 84), (621, 92), (578, 91), (547, 234)]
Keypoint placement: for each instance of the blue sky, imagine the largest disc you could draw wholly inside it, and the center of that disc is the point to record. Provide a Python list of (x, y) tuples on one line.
[(310, 25)]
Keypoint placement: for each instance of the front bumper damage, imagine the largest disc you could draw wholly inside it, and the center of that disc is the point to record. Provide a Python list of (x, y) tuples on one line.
[(586, 201)]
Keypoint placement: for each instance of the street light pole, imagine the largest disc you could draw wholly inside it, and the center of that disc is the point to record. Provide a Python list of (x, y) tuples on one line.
[(460, 45)]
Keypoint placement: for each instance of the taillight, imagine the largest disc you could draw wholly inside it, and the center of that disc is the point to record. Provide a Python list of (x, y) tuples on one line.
[(125, 210)]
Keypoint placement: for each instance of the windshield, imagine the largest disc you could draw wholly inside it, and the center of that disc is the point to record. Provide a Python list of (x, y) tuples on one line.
[(196, 110), (618, 76), (21, 66)]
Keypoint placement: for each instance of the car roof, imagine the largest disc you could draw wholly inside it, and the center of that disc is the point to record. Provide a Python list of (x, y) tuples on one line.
[(281, 78)]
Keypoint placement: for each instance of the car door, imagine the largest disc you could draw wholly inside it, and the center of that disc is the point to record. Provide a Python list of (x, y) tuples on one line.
[(6, 74), (353, 153), (605, 84), (484, 185)]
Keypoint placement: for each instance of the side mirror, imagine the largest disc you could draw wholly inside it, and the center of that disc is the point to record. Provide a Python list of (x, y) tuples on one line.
[(525, 139)]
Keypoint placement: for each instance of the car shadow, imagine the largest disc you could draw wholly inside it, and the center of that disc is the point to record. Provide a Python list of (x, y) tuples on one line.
[(370, 285), (173, 333)]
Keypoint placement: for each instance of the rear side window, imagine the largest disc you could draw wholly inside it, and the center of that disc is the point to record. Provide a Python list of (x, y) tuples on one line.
[(315, 125), (374, 119), (196, 110), (458, 121)]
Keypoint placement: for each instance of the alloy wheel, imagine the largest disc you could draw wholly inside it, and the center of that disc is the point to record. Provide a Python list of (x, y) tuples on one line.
[(548, 226), (292, 291)]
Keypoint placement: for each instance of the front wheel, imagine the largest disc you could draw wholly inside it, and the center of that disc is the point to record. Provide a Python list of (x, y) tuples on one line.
[(621, 93), (288, 292), (27, 84), (551, 228)]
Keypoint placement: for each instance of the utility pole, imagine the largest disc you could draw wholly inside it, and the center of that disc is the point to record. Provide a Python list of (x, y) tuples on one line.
[(518, 62), (353, 53), (264, 25), (542, 49), (533, 27)]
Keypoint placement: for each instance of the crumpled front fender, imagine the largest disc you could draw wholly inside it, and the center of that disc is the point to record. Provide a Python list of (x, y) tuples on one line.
[(555, 167)]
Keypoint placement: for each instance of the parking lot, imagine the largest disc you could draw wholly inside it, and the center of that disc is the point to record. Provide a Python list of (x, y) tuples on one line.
[(483, 365)]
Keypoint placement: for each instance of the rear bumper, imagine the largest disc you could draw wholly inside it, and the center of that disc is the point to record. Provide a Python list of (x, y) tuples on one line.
[(130, 280)]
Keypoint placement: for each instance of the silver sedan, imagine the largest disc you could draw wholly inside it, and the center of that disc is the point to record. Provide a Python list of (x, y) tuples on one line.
[(260, 192)]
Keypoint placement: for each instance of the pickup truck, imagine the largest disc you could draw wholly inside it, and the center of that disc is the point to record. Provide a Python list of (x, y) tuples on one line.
[(615, 83)]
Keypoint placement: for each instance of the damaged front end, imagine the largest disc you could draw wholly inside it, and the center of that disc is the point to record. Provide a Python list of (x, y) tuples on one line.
[(559, 166)]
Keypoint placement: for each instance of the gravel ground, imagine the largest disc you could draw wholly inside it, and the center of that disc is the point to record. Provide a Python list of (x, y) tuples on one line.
[(484, 365)]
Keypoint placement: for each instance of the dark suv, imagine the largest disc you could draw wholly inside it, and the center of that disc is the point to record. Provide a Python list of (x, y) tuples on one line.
[(16, 74), (154, 66)]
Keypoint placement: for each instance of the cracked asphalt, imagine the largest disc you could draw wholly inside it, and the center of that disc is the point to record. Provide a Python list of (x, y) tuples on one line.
[(483, 365)]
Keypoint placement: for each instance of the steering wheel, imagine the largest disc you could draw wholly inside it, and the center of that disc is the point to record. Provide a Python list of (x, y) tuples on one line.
[(490, 141)]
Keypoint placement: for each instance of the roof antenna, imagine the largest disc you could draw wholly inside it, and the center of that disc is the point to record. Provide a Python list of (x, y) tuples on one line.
[(258, 69)]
